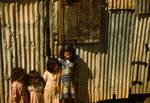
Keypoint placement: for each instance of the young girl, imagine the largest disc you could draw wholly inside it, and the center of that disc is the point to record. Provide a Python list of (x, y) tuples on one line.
[(19, 89), (51, 76), (69, 66), (36, 87)]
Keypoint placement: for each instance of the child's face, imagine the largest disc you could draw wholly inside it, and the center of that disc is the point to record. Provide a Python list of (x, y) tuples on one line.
[(67, 55), (56, 66)]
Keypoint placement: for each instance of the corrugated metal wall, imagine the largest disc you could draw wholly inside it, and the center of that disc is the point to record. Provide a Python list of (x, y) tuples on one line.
[(143, 6), (106, 70), (108, 73), (120, 4), (141, 56), (23, 39)]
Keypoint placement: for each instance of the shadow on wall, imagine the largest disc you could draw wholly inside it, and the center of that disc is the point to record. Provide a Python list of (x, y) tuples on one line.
[(84, 75)]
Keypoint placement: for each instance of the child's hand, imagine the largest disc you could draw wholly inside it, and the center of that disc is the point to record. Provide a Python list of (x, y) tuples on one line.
[(57, 88)]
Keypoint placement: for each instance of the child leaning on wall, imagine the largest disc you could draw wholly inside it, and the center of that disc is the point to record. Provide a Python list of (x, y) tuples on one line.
[(19, 92), (68, 63)]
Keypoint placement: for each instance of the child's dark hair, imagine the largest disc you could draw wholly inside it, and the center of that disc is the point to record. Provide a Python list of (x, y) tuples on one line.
[(68, 48), (51, 64), (16, 74), (36, 75)]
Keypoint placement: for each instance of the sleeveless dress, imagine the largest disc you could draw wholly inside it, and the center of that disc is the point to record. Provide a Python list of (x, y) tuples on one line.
[(50, 93), (19, 93), (36, 93)]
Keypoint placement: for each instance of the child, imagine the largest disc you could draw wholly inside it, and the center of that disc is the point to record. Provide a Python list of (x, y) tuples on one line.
[(19, 89), (36, 87), (68, 63), (51, 76)]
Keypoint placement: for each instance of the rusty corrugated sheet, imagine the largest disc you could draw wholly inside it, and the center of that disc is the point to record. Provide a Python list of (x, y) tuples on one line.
[(112, 73), (23, 39), (115, 65), (121, 26), (121, 4), (143, 6), (141, 57), (101, 74)]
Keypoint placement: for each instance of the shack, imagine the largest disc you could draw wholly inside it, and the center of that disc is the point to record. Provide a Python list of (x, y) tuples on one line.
[(111, 37)]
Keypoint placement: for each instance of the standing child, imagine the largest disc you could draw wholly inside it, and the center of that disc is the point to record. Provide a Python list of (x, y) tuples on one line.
[(68, 63), (19, 91), (51, 76), (36, 87)]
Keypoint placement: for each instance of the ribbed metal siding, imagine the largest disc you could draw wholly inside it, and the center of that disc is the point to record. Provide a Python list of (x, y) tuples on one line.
[(141, 38), (120, 33), (23, 38), (101, 74), (143, 6), (121, 4)]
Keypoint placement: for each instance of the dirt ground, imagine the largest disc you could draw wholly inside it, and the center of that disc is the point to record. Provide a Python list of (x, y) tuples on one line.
[(147, 100)]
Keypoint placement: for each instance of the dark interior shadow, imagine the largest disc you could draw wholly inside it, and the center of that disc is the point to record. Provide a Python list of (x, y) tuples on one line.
[(104, 27), (84, 75), (102, 45)]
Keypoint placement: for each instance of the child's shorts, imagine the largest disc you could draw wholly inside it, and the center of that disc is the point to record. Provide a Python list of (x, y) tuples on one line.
[(67, 90)]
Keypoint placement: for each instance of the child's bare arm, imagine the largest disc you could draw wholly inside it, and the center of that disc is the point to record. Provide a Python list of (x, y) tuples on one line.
[(58, 79), (15, 95)]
